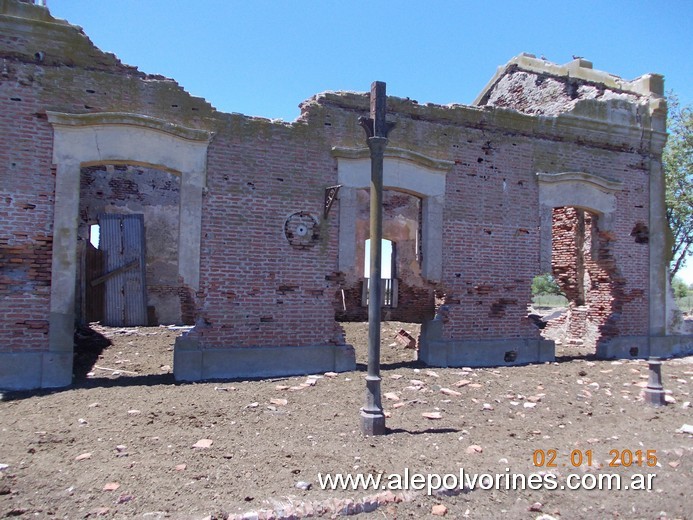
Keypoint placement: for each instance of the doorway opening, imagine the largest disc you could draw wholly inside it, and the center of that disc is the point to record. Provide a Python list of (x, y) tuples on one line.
[(128, 244), (407, 297), (583, 269), (127, 280), (388, 274)]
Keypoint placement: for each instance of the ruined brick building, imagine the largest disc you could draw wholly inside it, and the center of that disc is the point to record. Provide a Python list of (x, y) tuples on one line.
[(224, 221)]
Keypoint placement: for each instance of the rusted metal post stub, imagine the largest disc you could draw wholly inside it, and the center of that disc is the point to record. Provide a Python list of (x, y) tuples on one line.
[(654, 392), (372, 415), (378, 109)]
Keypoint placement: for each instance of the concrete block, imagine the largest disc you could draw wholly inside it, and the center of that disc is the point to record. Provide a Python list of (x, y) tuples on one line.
[(486, 353), (187, 359), (344, 358), (433, 353), (61, 332), (57, 369), (430, 349), (624, 347), (187, 364), (20, 371), (668, 346), (259, 362), (642, 347), (546, 351)]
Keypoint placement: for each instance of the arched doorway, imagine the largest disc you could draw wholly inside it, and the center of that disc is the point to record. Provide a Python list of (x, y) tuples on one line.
[(577, 211), (414, 191), (100, 138)]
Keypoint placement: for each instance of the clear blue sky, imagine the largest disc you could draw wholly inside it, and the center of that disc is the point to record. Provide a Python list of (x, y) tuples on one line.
[(262, 58)]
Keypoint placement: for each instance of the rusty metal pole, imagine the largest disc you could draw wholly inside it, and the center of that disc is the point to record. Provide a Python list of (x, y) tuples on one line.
[(372, 415)]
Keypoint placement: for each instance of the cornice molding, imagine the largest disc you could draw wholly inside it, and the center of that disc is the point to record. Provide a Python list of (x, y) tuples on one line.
[(128, 119)]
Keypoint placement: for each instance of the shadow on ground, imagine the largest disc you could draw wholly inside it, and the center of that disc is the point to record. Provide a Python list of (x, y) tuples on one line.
[(89, 345)]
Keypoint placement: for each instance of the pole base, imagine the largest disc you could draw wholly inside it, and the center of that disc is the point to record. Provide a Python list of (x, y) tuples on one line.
[(654, 397), (372, 422)]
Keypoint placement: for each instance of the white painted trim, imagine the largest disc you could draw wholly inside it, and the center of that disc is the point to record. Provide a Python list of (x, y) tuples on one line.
[(583, 190), (609, 185), (400, 174), (124, 118), (578, 189), (397, 153)]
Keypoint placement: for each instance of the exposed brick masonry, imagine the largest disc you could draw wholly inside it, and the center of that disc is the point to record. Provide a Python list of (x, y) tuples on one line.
[(256, 288)]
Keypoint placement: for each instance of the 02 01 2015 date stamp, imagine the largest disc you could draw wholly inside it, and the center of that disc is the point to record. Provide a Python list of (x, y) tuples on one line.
[(552, 458)]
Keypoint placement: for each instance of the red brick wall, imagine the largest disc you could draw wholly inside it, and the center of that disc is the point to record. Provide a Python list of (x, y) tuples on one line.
[(26, 212), (257, 288)]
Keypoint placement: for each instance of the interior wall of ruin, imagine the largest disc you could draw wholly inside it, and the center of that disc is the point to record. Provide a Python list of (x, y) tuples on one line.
[(127, 189), (402, 215), (584, 266)]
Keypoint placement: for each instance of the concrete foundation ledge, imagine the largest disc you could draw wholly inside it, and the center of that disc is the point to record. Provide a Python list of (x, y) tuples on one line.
[(32, 370), (668, 346), (196, 364), (642, 347), (624, 347), (486, 353)]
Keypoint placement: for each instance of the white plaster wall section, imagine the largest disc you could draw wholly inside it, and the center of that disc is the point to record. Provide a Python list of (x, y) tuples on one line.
[(347, 228), (64, 237), (545, 239), (118, 137), (432, 237), (403, 170)]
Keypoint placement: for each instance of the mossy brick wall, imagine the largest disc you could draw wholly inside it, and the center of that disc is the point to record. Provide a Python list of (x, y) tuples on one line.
[(492, 218), (71, 76), (258, 289)]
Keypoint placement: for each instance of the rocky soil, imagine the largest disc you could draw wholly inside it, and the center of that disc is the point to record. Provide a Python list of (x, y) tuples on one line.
[(126, 441)]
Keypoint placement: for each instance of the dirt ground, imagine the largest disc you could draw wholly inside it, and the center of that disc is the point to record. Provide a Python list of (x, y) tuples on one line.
[(121, 442)]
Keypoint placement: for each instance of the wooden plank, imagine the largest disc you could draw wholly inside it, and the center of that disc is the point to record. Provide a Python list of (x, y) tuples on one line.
[(102, 279), (94, 296)]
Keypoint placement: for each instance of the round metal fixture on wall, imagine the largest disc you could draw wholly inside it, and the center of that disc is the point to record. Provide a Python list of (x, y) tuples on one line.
[(302, 230)]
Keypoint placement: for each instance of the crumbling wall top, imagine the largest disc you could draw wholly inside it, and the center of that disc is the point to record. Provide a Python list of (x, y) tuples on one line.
[(537, 86), (28, 9)]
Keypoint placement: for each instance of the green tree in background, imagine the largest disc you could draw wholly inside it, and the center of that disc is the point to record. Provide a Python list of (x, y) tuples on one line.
[(678, 173), (680, 287), (544, 284)]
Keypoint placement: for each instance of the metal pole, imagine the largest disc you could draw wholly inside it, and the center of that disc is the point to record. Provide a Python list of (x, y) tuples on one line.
[(372, 415), (654, 392)]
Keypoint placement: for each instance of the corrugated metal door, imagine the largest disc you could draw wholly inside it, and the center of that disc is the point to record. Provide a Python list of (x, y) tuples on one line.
[(122, 241)]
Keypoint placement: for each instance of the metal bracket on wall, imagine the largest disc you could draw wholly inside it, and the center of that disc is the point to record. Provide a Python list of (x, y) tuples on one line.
[(330, 195)]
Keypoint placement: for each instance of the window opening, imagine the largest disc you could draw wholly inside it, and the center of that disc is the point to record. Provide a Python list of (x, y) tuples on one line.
[(387, 273), (94, 235)]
